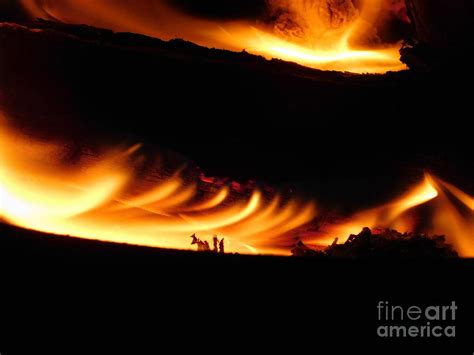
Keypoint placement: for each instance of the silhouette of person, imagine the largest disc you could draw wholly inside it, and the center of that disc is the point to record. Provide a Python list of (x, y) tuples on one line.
[(221, 246), (215, 241)]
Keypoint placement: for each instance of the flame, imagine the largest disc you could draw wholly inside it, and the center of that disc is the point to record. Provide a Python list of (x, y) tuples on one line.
[(451, 213), (322, 34), (454, 217), (41, 190), (105, 198)]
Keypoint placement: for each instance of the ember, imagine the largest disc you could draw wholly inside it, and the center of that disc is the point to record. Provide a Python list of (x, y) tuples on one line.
[(386, 244), (391, 244)]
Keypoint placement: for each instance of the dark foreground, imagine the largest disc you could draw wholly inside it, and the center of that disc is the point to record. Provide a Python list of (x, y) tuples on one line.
[(186, 298), (275, 121)]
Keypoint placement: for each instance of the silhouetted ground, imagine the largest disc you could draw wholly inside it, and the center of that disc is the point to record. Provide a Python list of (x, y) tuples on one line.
[(63, 286), (391, 244), (25, 246)]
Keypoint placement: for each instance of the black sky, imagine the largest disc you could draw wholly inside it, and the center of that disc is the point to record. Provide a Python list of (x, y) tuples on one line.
[(225, 9), (10, 10)]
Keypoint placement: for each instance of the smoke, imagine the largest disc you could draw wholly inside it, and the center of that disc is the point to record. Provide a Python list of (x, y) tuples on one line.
[(310, 20), (315, 21)]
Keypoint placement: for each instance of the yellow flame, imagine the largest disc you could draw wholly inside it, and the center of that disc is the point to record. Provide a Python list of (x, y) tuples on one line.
[(96, 200), (451, 220), (322, 42), (386, 216), (445, 218)]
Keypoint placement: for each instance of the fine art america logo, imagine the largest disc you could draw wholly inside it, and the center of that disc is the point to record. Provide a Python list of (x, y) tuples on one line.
[(435, 321)]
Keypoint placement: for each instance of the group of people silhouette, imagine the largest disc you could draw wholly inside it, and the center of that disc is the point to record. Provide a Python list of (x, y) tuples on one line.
[(218, 245)]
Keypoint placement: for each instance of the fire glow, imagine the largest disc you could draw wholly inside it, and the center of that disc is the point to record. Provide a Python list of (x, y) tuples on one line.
[(451, 213), (104, 199), (93, 199), (323, 34)]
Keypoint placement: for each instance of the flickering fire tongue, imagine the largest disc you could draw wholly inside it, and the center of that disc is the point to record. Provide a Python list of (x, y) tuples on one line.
[(451, 213), (104, 198), (324, 34)]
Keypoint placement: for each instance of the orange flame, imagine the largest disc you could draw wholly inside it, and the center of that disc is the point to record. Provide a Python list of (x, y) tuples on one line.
[(451, 214), (104, 198), (38, 190), (322, 32), (454, 216)]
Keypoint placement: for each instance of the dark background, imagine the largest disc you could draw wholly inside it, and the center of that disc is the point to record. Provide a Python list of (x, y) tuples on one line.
[(11, 10), (228, 9), (266, 307), (241, 117)]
